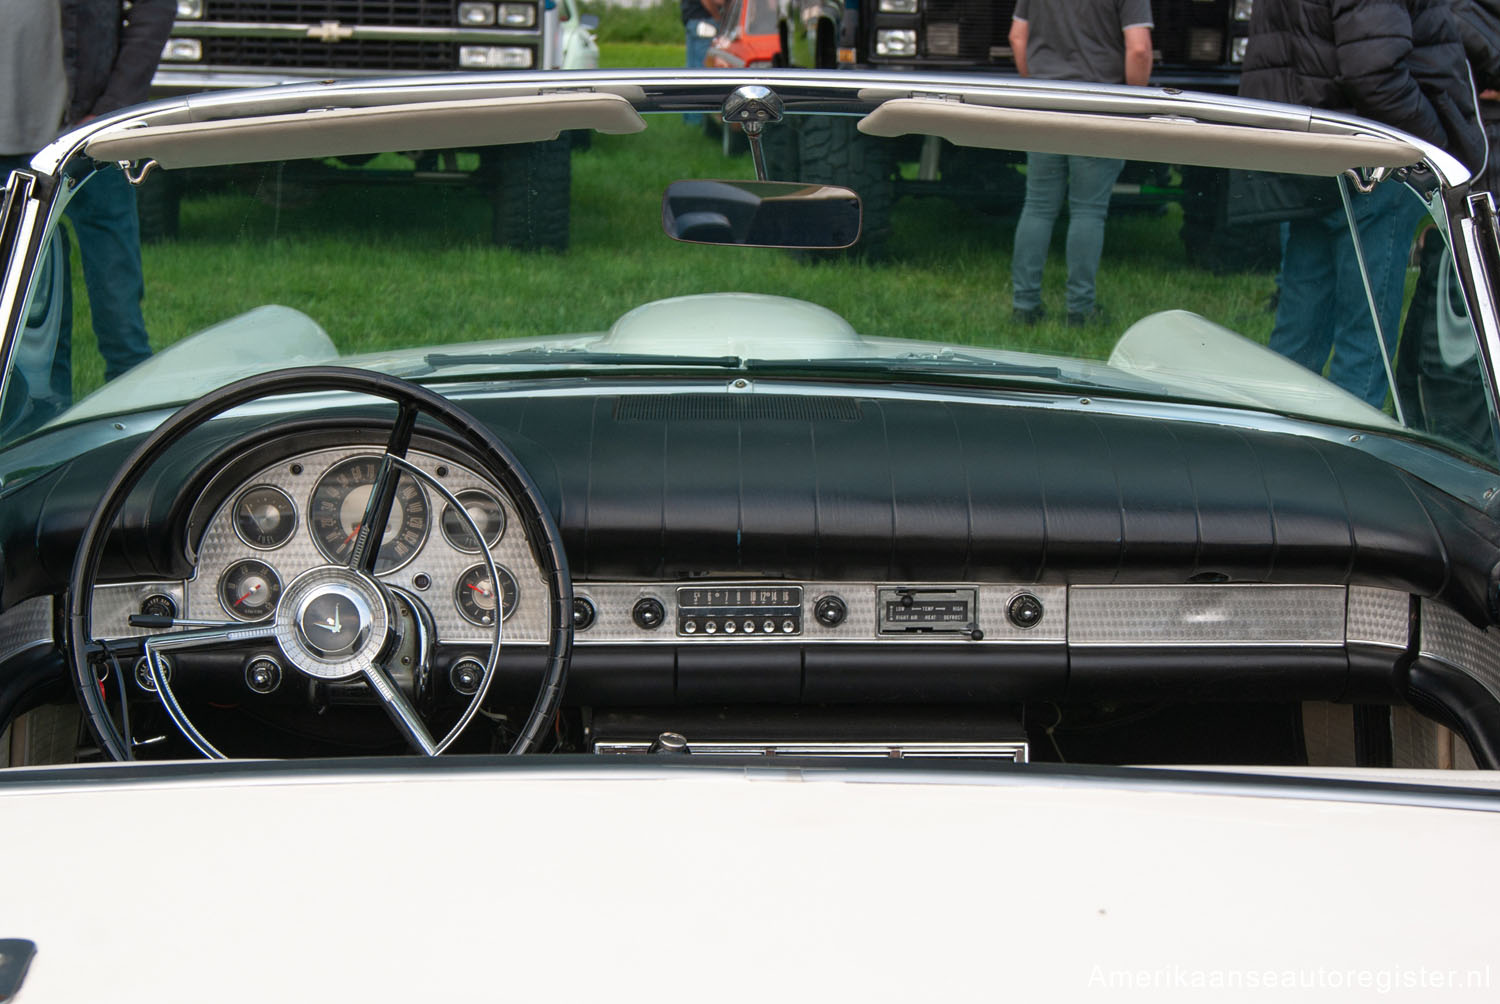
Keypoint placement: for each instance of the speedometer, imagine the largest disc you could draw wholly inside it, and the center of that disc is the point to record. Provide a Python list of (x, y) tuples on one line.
[(338, 505)]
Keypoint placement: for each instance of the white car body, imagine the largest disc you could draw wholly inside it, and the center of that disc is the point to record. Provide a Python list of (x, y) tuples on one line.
[(399, 883)]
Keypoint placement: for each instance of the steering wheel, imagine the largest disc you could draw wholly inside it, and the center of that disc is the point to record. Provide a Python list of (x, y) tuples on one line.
[(333, 622)]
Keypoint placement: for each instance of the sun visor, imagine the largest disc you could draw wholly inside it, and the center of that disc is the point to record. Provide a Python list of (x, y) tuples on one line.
[(1163, 140), (337, 132)]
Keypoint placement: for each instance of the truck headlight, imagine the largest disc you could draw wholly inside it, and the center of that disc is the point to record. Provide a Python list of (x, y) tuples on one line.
[(1243, 9), (476, 15), (494, 57), (898, 6), (182, 50), (896, 42), (1205, 45), (516, 15), (1237, 50), (189, 10)]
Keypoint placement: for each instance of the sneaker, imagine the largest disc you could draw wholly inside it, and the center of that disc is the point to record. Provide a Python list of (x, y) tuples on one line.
[(1081, 318), (1029, 315)]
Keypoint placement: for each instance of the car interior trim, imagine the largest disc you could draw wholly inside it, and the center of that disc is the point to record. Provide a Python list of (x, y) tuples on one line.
[(345, 131), (1161, 139)]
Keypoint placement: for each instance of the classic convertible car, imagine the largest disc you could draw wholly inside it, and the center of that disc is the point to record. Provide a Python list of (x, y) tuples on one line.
[(736, 489)]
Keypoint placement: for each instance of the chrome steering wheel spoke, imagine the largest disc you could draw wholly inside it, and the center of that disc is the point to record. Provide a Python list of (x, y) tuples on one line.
[(377, 513), (402, 713), (191, 639)]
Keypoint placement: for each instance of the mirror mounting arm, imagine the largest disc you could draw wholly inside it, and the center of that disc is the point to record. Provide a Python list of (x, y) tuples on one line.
[(752, 107)]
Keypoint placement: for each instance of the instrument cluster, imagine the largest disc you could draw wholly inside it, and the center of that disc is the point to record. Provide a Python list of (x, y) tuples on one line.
[(305, 511)]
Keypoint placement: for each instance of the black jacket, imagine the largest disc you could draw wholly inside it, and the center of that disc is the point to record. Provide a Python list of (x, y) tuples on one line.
[(1400, 62), (110, 55), (1479, 28)]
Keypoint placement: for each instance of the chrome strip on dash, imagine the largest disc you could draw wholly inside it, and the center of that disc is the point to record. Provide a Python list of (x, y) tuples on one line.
[(1191, 615)]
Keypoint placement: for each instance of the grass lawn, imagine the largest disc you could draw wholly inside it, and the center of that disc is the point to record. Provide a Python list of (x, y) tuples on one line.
[(386, 268)]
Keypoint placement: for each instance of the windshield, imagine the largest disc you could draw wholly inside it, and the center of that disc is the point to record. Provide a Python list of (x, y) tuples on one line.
[(987, 269)]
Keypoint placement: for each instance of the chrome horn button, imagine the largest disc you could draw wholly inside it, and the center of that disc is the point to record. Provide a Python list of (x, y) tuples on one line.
[(332, 623)]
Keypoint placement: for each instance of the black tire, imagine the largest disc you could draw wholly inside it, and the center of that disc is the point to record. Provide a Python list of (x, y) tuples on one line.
[(833, 152), (158, 203), (531, 194), (779, 144)]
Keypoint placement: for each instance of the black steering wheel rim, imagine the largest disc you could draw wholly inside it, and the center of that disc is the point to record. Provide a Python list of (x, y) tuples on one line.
[(491, 455)]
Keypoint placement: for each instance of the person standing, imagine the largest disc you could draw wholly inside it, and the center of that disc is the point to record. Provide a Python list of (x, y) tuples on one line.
[(62, 63), (1102, 41), (1395, 61), (698, 25)]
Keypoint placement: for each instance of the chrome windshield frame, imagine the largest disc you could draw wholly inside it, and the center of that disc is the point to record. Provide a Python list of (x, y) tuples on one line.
[(852, 92)]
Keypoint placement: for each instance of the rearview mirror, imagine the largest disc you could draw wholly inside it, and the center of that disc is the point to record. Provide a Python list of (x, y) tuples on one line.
[(779, 214)]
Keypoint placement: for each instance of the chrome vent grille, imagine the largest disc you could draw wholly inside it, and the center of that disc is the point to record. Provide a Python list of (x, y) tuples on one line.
[(403, 13), (351, 54)]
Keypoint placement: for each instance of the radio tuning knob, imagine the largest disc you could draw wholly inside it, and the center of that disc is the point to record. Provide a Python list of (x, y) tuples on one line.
[(830, 611), (584, 613), (648, 613)]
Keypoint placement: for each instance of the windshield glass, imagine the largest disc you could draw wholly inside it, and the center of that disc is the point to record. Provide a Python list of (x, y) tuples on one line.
[(975, 267)]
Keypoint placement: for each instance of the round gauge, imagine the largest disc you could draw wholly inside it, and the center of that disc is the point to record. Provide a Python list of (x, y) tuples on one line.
[(486, 513), (338, 505), (249, 589), (264, 517), (475, 595)]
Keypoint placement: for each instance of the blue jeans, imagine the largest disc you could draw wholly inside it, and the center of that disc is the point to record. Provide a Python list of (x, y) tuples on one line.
[(697, 52), (1323, 307), (109, 242), (104, 219), (1088, 182)]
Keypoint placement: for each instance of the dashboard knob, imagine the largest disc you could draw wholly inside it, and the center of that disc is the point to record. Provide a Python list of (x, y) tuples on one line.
[(159, 605), (583, 613), (830, 611), (669, 743), (648, 613), (1024, 611), (263, 674), (465, 675), (143, 677)]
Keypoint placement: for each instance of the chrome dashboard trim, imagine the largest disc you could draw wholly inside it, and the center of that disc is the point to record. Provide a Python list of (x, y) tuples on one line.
[(1448, 638), (25, 626), (1137, 616), (1206, 615), (1378, 617), (1013, 752), (114, 602)]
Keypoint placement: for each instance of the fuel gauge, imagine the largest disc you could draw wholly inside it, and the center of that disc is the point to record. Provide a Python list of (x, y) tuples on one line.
[(476, 599), (249, 589), (264, 517)]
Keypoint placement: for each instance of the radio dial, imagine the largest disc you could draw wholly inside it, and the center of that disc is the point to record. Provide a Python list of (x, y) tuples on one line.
[(648, 613), (830, 611)]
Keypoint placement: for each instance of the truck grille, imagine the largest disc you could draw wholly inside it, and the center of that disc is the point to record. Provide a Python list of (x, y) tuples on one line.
[(1186, 32), (361, 54), (403, 13)]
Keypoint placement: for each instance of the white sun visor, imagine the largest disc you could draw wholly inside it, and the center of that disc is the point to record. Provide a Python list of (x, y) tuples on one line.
[(1161, 139), (336, 132)]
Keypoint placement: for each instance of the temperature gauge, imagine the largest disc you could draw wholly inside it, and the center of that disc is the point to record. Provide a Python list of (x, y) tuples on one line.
[(486, 513), (476, 596), (264, 517), (249, 589)]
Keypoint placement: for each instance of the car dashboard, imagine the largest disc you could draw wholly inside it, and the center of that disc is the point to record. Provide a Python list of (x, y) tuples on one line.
[(874, 575)]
